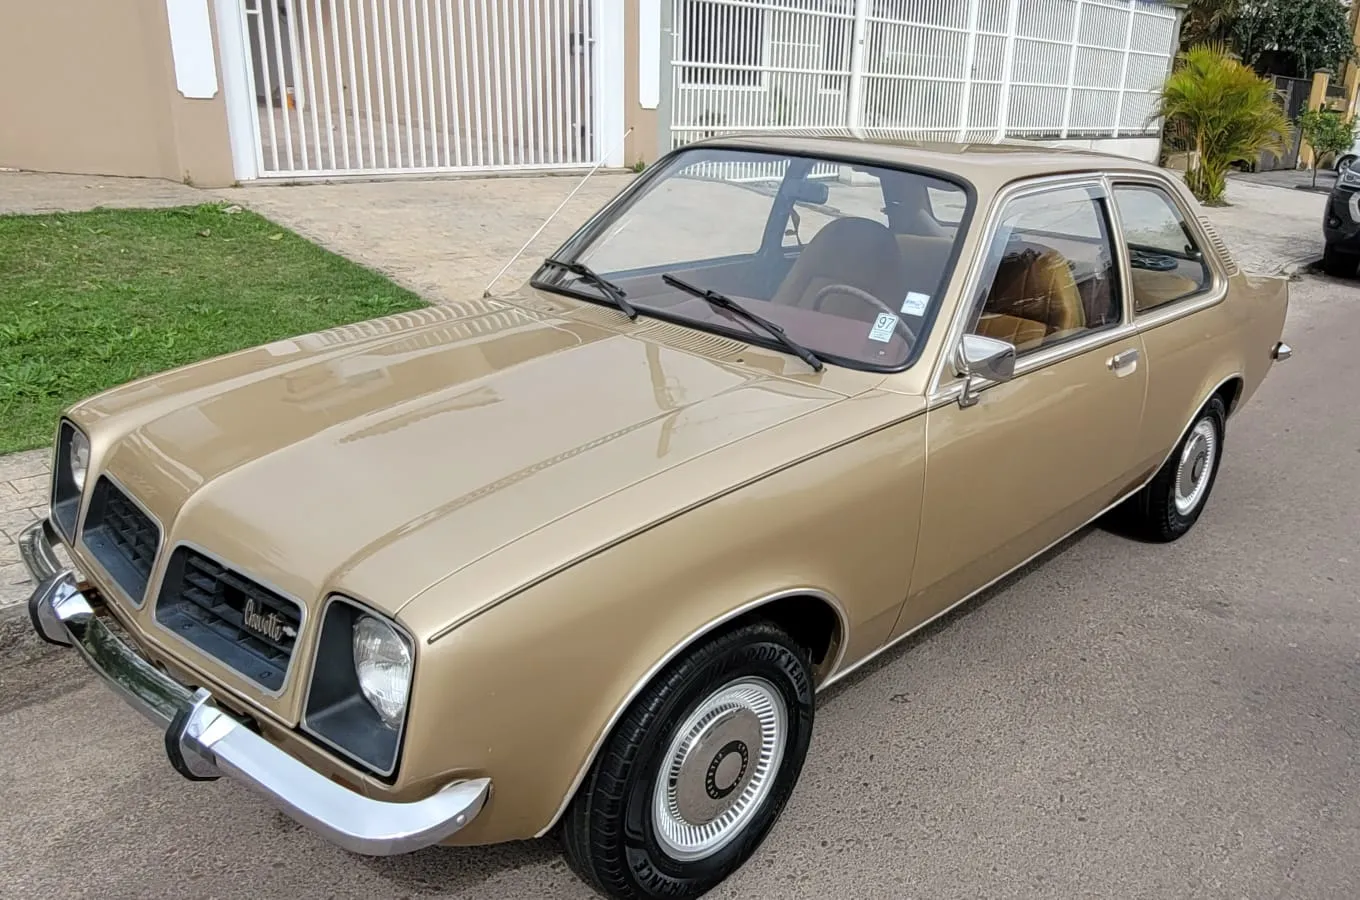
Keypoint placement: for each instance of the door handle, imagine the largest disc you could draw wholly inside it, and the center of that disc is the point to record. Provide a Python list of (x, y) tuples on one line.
[(1122, 360)]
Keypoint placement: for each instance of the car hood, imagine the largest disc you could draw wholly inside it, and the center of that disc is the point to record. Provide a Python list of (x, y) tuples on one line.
[(379, 459)]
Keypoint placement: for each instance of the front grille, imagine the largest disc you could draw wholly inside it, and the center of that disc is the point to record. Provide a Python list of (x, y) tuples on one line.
[(226, 615), (121, 537)]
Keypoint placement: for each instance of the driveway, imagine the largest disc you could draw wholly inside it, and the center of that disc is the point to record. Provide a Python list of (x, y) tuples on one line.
[(1120, 720)]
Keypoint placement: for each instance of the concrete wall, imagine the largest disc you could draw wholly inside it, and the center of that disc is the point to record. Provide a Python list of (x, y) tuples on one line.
[(644, 144), (88, 86), (1144, 148)]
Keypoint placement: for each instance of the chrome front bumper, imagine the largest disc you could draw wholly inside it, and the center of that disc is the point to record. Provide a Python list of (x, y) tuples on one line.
[(204, 742)]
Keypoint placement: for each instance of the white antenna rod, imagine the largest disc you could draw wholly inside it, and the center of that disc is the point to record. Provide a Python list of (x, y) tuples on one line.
[(487, 291)]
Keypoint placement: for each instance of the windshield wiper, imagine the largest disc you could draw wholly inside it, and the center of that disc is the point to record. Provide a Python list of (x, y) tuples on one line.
[(722, 301), (612, 292)]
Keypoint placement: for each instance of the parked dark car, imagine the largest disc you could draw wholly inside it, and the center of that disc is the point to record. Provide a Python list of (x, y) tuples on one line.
[(1341, 225)]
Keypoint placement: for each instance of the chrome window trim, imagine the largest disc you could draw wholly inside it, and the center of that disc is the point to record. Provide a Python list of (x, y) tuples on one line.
[(157, 561), (968, 298), (1209, 295), (199, 651), (359, 765), (1040, 359), (679, 648)]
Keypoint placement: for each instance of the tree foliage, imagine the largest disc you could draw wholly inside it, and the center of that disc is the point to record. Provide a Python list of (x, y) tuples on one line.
[(1284, 37), (1208, 22), (1327, 133), (1225, 113)]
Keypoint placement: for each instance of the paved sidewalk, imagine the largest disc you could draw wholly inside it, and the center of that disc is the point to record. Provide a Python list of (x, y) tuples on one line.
[(443, 239), (23, 497), (38, 192)]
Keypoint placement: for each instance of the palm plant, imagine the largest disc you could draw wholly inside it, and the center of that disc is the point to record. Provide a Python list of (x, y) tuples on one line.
[(1224, 112)]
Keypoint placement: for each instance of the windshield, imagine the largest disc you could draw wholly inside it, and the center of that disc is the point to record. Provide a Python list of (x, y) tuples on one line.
[(849, 259)]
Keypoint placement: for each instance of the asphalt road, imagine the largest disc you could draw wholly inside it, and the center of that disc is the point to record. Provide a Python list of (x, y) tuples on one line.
[(1120, 720)]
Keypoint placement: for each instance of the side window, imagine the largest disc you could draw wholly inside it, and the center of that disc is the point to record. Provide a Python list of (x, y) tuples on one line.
[(1165, 265), (1052, 271)]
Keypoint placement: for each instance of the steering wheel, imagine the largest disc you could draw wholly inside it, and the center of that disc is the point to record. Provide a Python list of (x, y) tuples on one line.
[(1156, 262), (869, 298)]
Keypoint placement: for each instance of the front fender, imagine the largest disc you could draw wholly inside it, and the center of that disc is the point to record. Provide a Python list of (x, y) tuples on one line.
[(527, 691)]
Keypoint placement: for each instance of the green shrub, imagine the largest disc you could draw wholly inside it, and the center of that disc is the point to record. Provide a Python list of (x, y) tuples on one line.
[(1224, 112)]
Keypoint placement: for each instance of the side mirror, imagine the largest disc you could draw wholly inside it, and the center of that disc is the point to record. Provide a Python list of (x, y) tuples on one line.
[(813, 192), (984, 357)]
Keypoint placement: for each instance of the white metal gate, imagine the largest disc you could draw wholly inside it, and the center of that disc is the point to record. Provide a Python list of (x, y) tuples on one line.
[(363, 87), (966, 70)]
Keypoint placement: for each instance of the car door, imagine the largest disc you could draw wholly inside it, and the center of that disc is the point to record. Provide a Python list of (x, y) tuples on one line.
[(1013, 466)]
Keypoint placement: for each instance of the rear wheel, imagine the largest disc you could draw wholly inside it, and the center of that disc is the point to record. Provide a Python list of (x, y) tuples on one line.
[(1169, 505), (695, 775), (1338, 263)]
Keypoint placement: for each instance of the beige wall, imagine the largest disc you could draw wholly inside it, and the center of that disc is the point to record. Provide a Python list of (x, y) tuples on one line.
[(642, 145), (88, 86)]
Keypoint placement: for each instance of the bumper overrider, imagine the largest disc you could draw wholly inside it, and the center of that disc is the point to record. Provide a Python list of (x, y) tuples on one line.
[(204, 742)]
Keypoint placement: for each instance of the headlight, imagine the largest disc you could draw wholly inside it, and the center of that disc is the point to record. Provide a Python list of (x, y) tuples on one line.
[(68, 477), (1350, 178), (80, 459), (382, 662), (360, 686)]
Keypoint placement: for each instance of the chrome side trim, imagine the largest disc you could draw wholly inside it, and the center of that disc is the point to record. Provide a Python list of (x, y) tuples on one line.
[(837, 676), (675, 651), (203, 742), (1033, 362), (1282, 351), (157, 560)]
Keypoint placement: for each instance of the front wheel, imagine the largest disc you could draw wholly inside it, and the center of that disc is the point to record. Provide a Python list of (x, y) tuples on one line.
[(1170, 504), (695, 775)]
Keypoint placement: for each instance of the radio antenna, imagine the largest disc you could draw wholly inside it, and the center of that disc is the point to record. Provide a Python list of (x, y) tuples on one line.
[(487, 291)]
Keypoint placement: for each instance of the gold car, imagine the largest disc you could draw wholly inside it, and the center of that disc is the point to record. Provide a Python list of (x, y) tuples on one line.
[(577, 559)]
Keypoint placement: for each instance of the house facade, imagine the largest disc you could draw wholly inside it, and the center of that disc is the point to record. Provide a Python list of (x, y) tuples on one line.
[(220, 91)]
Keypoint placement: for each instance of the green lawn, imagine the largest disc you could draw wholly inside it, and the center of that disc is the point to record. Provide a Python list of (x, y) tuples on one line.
[(91, 300)]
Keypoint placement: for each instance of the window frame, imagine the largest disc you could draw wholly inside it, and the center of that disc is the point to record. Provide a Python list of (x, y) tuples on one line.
[(1103, 208), (1213, 288), (947, 378)]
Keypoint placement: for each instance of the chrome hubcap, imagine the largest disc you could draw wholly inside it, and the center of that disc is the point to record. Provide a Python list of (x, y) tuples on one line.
[(1195, 467), (719, 768)]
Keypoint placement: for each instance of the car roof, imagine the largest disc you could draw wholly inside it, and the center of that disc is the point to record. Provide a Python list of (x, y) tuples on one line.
[(987, 165)]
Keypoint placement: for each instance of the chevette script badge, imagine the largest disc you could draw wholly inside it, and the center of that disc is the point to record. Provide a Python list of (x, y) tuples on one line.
[(266, 624)]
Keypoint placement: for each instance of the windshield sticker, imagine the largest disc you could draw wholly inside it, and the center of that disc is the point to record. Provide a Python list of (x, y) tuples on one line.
[(883, 329), (915, 304)]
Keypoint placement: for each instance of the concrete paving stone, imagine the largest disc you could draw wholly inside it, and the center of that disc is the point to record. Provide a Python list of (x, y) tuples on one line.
[(38, 482), (13, 574), (9, 553), (14, 466), (15, 520)]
